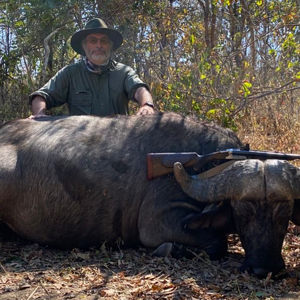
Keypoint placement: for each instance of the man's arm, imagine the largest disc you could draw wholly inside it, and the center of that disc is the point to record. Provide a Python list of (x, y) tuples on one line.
[(53, 94), (143, 96), (38, 108)]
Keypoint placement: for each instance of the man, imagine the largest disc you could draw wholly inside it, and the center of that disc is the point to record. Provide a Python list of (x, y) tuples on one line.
[(96, 84)]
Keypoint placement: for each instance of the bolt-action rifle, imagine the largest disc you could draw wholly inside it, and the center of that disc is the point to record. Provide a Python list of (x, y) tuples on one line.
[(162, 163)]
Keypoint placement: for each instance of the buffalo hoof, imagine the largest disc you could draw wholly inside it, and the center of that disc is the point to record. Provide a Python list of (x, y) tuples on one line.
[(163, 250), (178, 251)]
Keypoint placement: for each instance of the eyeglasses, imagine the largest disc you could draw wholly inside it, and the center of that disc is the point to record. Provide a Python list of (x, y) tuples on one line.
[(94, 40)]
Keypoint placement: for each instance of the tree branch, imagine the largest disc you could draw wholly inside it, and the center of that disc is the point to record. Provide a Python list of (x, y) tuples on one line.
[(47, 52)]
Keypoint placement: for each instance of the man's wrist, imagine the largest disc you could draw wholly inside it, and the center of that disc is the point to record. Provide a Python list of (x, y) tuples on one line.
[(148, 103), (38, 105)]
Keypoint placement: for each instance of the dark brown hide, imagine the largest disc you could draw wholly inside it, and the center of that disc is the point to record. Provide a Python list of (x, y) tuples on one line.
[(81, 181)]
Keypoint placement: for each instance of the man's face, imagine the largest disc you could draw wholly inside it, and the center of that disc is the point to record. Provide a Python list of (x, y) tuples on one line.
[(97, 48)]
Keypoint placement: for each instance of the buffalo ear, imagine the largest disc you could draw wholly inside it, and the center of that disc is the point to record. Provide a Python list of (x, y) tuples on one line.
[(218, 217), (296, 212)]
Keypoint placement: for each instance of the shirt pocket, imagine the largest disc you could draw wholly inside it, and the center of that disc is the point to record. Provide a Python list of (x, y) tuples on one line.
[(80, 102), (116, 82)]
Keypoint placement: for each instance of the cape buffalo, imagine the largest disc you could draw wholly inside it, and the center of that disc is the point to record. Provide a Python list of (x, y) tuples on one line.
[(80, 181)]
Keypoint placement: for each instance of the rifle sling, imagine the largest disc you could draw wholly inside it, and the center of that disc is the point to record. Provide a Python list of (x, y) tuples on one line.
[(215, 170)]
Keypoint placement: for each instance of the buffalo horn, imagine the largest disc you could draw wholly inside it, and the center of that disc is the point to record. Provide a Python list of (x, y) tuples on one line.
[(235, 182)]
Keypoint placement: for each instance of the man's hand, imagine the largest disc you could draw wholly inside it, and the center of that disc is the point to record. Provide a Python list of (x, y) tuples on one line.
[(39, 116), (145, 110), (143, 96)]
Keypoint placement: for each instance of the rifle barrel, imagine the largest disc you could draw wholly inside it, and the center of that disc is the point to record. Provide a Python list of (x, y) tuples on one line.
[(264, 154)]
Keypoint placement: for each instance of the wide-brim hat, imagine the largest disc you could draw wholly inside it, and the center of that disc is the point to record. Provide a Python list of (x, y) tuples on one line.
[(95, 26)]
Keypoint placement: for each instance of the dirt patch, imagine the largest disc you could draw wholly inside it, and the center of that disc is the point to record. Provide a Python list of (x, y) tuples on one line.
[(29, 271)]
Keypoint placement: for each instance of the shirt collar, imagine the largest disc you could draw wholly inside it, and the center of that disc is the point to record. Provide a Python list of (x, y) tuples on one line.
[(109, 65)]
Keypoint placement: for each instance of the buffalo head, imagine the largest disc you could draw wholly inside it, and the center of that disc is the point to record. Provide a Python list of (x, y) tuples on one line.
[(262, 196)]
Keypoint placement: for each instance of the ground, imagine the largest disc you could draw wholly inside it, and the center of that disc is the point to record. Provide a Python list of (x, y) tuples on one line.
[(29, 271)]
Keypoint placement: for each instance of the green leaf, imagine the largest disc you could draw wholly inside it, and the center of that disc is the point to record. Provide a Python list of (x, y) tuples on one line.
[(192, 39), (247, 84), (272, 51), (260, 294)]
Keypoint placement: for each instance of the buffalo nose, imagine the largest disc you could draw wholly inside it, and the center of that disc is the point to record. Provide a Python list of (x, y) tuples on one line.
[(262, 271)]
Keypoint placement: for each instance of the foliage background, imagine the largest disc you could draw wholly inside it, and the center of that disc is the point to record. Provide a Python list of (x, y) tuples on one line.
[(235, 62)]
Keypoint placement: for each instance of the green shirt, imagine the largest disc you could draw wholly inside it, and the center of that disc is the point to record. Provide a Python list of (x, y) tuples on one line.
[(89, 93)]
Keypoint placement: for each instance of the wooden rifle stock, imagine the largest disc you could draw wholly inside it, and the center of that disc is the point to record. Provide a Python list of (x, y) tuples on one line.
[(159, 164)]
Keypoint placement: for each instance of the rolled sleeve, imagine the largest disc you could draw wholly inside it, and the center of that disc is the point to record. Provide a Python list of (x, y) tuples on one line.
[(132, 83), (55, 91)]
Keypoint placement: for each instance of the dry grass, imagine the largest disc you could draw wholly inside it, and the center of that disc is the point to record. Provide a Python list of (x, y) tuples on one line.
[(272, 127)]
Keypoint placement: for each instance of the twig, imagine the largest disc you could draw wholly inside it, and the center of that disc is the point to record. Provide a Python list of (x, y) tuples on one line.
[(42, 285), (2, 267), (209, 263), (253, 98), (32, 293)]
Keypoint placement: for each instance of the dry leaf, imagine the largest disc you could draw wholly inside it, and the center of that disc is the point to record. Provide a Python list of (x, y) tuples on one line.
[(107, 293), (214, 287), (293, 282), (24, 286)]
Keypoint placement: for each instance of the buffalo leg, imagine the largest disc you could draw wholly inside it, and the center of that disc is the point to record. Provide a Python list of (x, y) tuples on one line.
[(168, 226)]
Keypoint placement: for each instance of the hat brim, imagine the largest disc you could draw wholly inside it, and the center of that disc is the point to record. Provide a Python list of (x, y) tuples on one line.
[(114, 35)]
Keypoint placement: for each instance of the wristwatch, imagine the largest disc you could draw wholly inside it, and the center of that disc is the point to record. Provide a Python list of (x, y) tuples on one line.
[(148, 103)]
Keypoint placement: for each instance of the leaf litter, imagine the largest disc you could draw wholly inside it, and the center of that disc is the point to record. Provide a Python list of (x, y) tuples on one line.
[(29, 271)]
